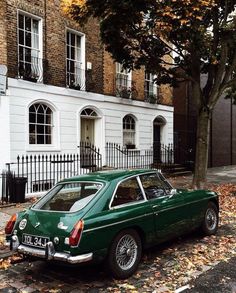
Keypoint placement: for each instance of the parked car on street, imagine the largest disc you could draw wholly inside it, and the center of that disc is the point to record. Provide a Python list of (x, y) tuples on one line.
[(111, 216)]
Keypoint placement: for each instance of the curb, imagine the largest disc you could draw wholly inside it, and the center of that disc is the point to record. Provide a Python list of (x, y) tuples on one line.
[(6, 254)]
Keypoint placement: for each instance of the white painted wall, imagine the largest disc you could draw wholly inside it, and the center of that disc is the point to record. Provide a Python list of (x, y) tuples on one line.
[(4, 132), (67, 105)]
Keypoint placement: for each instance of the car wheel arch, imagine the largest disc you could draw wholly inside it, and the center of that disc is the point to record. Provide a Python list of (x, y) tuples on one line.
[(215, 201), (137, 229)]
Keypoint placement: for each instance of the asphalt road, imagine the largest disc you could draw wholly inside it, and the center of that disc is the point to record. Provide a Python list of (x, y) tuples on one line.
[(220, 279)]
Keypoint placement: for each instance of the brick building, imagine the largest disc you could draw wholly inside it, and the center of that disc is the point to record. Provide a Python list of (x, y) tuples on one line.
[(63, 88), (222, 143)]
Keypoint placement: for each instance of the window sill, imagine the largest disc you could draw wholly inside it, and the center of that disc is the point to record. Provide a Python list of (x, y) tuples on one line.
[(42, 148)]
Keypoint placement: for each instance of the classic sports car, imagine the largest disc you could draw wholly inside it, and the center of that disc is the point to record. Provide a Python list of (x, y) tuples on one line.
[(112, 216)]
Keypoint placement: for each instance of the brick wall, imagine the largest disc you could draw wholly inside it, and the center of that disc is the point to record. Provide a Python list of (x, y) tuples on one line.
[(54, 40), (3, 42), (102, 75), (138, 78)]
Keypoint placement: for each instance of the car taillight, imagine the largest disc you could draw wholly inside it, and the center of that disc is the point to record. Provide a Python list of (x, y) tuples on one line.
[(10, 224), (76, 233)]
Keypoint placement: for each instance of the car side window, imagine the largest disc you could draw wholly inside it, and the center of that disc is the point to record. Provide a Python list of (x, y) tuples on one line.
[(127, 192), (152, 185)]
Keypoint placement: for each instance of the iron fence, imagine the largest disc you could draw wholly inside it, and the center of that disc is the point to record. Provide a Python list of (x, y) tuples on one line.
[(4, 187), (159, 156), (43, 171)]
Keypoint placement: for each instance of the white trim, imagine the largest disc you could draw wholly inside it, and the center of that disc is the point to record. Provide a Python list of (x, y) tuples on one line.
[(40, 33), (54, 146)]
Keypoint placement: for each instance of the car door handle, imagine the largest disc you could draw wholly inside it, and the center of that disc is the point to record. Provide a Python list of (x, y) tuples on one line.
[(155, 206)]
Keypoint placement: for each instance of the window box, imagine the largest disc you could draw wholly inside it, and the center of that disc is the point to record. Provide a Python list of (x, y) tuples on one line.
[(130, 146)]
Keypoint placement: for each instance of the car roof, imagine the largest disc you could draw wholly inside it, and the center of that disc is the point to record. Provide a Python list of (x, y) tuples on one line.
[(108, 175)]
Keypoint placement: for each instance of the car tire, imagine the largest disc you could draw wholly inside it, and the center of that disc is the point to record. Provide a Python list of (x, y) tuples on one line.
[(125, 254), (211, 219)]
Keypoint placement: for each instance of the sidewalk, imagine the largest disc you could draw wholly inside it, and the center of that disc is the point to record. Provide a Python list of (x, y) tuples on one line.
[(216, 175)]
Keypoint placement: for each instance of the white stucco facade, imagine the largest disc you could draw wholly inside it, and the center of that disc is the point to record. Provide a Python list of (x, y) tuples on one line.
[(67, 106)]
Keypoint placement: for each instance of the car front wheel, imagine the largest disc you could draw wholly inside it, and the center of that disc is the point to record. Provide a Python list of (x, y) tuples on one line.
[(125, 254), (211, 219)]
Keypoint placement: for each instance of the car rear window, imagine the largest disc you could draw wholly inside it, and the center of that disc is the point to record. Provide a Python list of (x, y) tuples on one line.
[(69, 197)]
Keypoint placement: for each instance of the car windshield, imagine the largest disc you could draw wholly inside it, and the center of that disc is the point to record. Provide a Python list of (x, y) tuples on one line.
[(69, 197)]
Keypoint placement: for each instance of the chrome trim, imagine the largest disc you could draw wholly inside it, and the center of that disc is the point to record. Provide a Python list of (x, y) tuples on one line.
[(116, 223), (49, 253), (124, 179)]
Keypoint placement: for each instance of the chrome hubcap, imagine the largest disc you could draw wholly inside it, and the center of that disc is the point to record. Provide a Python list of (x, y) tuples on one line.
[(126, 252), (211, 219)]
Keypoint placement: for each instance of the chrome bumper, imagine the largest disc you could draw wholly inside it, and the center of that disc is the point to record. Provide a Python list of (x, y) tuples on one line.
[(49, 253)]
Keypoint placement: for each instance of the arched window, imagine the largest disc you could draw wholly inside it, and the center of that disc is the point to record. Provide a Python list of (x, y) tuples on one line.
[(129, 131), (40, 124)]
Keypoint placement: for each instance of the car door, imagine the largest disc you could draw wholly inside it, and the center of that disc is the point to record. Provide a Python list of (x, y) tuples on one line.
[(166, 207)]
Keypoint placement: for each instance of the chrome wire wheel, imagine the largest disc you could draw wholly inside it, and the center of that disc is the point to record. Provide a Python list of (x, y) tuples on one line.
[(126, 252), (211, 219)]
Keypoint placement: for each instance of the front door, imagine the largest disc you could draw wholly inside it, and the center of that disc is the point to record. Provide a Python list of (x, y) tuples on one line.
[(87, 157), (87, 130), (156, 143)]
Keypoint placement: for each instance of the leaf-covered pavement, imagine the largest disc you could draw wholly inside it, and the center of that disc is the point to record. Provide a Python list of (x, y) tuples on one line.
[(168, 267)]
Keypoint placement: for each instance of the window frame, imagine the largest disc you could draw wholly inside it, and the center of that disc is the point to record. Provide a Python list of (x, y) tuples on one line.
[(45, 125), (55, 143), (120, 73), (40, 39), (129, 203), (82, 67), (152, 84), (129, 131)]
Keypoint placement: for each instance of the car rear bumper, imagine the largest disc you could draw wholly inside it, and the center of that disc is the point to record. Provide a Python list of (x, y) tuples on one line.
[(49, 252)]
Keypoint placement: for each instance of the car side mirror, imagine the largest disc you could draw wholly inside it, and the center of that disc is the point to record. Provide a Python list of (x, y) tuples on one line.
[(172, 192)]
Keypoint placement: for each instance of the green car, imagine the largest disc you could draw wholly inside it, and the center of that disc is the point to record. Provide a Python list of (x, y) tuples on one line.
[(112, 216)]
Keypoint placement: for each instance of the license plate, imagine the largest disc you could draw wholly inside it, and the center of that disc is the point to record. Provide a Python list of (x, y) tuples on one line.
[(36, 241)]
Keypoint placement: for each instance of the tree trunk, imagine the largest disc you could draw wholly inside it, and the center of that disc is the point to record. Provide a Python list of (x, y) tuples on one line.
[(201, 159)]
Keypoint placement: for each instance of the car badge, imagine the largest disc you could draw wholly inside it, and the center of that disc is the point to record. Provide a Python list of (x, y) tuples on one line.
[(22, 224), (36, 225), (61, 226)]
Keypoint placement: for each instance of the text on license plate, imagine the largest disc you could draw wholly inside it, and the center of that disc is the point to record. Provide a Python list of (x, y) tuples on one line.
[(34, 240)]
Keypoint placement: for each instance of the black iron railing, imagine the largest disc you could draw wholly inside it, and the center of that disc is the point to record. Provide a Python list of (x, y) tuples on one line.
[(43, 171), (78, 78), (160, 156), (124, 87), (31, 68)]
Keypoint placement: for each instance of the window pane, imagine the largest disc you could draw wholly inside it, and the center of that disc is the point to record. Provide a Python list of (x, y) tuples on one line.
[(35, 26), (21, 37), (40, 129), (32, 117), (32, 138), (72, 36), (69, 197), (40, 139), (48, 130), (72, 51), (21, 21), (127, 192), (152, 185), (28, 39), (40, 118), (48, 139), (27, 23)]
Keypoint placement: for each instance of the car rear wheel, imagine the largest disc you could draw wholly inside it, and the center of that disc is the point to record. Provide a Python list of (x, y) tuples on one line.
[(125, 254), (211, 219)]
